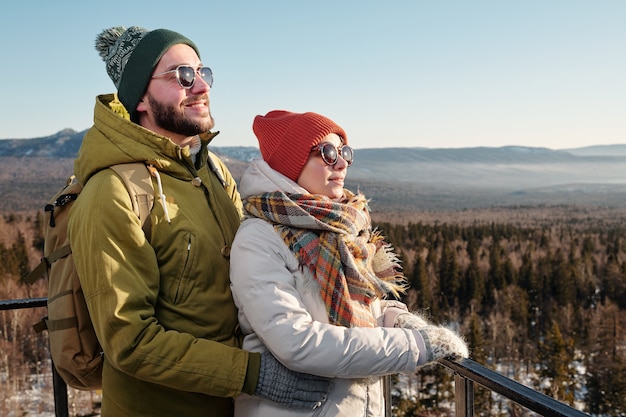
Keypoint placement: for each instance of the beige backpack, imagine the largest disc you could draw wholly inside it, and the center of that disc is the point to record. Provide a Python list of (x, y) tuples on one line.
[(74, 348)]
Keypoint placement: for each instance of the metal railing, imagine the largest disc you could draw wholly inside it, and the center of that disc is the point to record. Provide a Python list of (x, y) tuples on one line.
[(61, 406), (466, 373)]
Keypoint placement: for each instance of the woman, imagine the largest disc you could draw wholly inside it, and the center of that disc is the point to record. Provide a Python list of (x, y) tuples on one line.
[(309, 275)]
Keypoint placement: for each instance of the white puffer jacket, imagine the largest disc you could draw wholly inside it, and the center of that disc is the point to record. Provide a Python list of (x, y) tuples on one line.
[(280, 309)]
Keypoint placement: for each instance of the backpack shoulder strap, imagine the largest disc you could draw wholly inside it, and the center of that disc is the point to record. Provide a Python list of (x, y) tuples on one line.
[(41, 269), (216, 170), (139, 184)]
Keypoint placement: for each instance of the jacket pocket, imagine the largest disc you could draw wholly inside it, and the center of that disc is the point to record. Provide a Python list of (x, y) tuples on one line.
[(182, 285)]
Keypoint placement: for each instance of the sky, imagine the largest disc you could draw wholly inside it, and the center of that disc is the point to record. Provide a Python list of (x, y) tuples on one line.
[(399, 73)]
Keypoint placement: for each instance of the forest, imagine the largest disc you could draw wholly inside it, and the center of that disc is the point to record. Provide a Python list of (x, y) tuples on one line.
[(538, 294)]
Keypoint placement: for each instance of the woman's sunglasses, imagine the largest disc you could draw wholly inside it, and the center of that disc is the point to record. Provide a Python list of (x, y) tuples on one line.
[(330, 153), (186, 75)]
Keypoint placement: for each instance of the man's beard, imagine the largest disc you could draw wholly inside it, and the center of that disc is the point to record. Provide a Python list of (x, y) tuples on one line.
[(173, 119)]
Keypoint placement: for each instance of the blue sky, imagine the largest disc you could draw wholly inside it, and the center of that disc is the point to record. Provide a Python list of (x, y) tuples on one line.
[(403, 73)]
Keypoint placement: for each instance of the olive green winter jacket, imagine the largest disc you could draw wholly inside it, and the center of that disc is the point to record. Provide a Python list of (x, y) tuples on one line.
[(162, 309)]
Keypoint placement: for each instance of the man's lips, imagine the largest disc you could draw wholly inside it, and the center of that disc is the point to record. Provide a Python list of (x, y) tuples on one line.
[(196, 102)]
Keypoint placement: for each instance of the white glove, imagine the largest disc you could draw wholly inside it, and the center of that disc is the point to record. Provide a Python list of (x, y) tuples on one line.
[(442, 343), (400, 317), (411, 321)]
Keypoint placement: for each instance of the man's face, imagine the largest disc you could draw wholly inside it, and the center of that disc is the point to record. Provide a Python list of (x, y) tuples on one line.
[(171, 110)]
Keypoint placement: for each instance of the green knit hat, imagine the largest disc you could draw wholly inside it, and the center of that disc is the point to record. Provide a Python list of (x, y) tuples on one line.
[(131, 56)]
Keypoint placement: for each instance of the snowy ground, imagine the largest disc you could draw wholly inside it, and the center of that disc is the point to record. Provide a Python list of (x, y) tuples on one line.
[(38, 399)]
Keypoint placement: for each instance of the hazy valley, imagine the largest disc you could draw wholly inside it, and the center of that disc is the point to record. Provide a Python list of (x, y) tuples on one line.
[(396, 179)]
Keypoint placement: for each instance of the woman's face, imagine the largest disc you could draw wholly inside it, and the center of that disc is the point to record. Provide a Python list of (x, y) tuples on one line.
[(317, 177)]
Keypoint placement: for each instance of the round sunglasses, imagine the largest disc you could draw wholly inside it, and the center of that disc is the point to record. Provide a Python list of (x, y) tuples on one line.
[(330, 153), (186, 75)]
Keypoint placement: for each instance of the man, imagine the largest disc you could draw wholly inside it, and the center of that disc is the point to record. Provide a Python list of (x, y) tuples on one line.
[(161, 305)]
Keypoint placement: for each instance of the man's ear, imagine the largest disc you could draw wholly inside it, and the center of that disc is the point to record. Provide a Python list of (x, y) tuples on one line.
[(141, 106)]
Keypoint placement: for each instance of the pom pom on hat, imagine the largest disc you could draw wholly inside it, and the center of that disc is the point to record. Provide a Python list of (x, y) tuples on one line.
[(131, 56), (115, 45), (286, 138)]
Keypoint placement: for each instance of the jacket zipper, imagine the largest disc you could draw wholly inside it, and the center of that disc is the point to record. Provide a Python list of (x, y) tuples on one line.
[(184, 271)]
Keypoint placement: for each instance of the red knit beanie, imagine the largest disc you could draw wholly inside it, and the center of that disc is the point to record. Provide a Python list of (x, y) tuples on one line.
[(286, 138)]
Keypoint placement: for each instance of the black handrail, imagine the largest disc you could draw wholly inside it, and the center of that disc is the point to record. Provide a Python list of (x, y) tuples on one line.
[(466, 372), (24, 303)]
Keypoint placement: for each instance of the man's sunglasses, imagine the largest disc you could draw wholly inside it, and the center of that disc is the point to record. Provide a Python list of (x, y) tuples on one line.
[(330, 153), (186, 75)]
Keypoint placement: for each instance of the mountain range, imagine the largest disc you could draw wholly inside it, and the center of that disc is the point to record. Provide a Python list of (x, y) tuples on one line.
[(424, 178)]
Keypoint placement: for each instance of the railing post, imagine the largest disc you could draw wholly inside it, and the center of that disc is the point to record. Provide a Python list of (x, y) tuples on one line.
[(59, 386), (387, 391), (463, 396)]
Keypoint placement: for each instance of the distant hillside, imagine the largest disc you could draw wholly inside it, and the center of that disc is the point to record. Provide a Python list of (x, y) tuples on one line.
[(507, 168), (394, 178), (599, 150), (65, 144), (61, 145)]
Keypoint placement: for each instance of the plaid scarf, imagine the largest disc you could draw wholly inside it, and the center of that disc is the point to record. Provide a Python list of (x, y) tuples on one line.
[(334, 240)]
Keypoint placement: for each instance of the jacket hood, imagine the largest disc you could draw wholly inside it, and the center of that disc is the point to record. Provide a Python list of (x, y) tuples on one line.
[(260, 178), (114, 139)]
